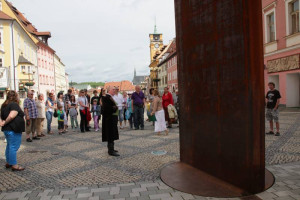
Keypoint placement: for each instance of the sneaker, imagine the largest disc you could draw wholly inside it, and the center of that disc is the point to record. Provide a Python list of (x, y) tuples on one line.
[(270, 133), (36, 138), (97, 130), (277, 134)]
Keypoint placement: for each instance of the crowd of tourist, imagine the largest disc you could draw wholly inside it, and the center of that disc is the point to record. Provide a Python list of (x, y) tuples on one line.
[(112, 106)]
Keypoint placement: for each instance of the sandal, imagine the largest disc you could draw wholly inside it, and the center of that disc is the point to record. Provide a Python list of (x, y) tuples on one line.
[(8, 166), (17, 169), (29, 140)]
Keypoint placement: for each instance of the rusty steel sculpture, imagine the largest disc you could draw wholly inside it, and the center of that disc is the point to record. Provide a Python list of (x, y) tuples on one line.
[(221, 84)]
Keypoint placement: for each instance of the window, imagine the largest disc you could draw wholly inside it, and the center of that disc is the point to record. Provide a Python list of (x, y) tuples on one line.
[(23, 69), (1, 63), (294, 7), (1, 95), (271, 27)]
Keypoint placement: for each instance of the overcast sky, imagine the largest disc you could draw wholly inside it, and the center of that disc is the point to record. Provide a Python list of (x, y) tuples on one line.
[(101, 40)]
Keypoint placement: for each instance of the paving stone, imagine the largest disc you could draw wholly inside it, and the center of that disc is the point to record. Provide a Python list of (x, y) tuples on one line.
[(94, 198), (147, 193), (84, 191), (100, 190), (131, 198), (139, 190), (134, 194), (67, 192), (69, 196), (159, 196), (285, 198), (84, 195), (118, 196), (144, 198), (266, 195)]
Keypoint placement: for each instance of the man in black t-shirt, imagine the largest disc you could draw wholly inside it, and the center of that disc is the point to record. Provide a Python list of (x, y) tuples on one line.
[(273, 99)]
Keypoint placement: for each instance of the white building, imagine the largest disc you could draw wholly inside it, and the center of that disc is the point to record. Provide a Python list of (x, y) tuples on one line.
[(60, 75)]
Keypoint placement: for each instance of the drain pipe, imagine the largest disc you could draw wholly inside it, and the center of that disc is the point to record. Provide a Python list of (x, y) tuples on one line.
[(13, 53)]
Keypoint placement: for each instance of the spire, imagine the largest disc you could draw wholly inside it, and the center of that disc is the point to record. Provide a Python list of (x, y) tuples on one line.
[(155, 27), (134, 72)]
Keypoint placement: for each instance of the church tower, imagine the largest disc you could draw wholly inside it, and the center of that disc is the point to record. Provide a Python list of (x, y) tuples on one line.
[(156, 42)]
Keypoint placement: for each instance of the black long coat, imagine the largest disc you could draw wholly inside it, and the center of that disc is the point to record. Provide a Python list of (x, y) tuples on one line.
[(110, 131)]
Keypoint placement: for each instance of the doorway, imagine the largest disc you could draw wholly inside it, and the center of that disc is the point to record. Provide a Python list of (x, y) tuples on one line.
[(293, 90)]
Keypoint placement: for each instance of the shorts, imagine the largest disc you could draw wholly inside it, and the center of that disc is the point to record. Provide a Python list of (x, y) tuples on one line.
[(31, 127), (61, 125), (272, 115)]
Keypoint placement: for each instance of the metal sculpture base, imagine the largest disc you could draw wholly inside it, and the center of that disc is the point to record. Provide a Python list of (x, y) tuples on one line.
[(188, 179)]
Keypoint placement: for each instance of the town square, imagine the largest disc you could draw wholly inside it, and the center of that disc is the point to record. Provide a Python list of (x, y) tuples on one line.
[(136, 100)]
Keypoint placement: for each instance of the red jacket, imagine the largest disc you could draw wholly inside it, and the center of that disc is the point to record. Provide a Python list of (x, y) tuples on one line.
[(167, 99)]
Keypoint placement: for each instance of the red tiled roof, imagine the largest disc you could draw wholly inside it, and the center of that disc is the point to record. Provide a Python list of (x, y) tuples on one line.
[(28, 25), (122, 85), (5, 16)]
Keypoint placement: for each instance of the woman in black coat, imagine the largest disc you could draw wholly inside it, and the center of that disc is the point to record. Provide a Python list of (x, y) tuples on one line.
[(110, 122)]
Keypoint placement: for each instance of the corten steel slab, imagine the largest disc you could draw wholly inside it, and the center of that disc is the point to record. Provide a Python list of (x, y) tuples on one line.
[(221, 89), (188, 179)]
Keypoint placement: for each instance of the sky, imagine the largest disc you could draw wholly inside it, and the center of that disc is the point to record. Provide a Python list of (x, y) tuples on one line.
[(101, 40)]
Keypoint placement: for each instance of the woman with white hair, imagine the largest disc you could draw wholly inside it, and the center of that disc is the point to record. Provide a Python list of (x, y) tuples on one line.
[(41, 113)]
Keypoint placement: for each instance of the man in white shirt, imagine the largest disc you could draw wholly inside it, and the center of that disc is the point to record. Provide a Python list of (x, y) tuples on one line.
[(118, 98)]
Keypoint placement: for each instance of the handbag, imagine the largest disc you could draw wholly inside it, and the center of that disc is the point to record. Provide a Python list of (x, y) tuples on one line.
[(55, 114)]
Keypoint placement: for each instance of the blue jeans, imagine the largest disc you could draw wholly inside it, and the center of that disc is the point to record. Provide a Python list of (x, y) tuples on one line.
[(49, 116), (12, 146), (138, 116)]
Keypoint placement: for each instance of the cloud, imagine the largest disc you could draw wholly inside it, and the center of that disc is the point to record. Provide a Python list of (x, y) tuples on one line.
[(101, 40)]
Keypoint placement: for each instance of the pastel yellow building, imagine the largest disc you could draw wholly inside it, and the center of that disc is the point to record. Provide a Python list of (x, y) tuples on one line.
[(156, 48), (18, 54)]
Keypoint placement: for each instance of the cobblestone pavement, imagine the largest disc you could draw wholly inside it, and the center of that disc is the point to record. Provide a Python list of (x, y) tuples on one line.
[(76, 165)]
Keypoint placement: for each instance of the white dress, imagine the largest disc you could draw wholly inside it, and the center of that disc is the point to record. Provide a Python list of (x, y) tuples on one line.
[(160, 124)]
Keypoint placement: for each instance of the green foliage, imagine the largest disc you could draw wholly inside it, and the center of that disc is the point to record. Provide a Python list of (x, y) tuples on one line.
[(92, 84)]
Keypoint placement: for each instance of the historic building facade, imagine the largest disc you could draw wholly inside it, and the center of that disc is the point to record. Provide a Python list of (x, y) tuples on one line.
[(172, 69), (60, 75), (282, 48), (18, 57), (156, 48), (46, 69), (26, 59)]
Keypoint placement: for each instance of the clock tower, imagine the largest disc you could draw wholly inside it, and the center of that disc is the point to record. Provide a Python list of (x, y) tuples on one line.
[(156, 43)]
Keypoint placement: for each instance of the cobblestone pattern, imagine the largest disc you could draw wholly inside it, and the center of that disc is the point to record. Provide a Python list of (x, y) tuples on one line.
[(286, 148), (81, 159), (77, 159), (287, 187)]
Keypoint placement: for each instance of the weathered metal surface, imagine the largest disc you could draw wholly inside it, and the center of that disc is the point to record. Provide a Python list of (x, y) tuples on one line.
[(221, 89), (190, 180)]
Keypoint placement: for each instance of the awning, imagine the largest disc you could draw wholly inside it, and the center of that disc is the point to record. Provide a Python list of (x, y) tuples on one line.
[(3, 89)]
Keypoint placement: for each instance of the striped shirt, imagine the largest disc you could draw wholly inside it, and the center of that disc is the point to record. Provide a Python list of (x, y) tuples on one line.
[(31, 106)]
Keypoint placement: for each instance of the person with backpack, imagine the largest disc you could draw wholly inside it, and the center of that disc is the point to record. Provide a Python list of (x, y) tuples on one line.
[(73, 112)]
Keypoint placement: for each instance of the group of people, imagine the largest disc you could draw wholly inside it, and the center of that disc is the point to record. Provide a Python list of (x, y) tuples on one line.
[(112, 106)]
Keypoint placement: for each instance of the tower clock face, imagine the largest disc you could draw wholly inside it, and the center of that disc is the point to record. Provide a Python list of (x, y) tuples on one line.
[(156, 46)]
